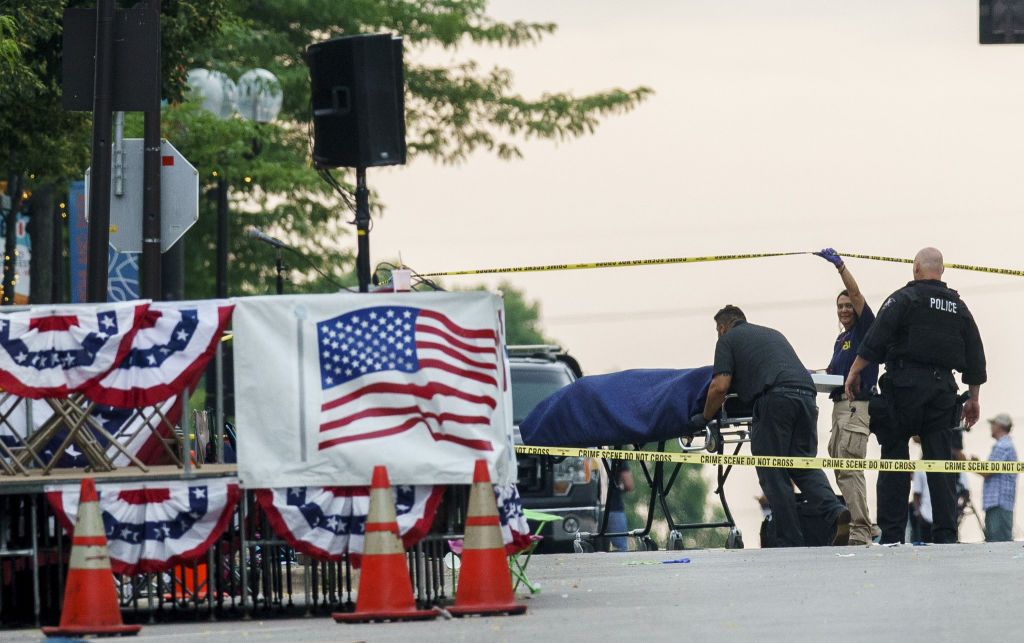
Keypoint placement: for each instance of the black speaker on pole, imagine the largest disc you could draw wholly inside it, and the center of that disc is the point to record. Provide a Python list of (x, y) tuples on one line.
[(358, 101)]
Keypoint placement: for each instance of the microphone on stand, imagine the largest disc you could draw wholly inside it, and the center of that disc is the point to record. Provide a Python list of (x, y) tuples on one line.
[(255, 233)]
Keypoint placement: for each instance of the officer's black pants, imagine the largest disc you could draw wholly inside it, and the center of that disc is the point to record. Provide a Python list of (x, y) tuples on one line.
[(924, 403), (787, 425)]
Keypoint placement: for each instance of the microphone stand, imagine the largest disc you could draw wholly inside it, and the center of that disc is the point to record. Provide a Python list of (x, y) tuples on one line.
[(279, 267), (362, 230)]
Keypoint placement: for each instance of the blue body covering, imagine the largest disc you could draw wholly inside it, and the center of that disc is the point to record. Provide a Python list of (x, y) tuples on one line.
[(629, 407)]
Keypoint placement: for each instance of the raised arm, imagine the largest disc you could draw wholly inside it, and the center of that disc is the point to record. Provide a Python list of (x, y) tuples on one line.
[(856, 297)]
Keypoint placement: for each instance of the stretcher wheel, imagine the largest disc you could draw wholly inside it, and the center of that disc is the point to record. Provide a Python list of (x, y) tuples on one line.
[(675, 540), (735, 539), (649, 544), (711, 441)]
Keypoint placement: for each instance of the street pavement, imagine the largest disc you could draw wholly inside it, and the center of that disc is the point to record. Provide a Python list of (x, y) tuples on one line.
[(906, 593)]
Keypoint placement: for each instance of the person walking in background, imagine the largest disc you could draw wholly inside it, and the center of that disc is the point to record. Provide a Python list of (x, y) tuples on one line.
[(1000, 489), (850, 422)]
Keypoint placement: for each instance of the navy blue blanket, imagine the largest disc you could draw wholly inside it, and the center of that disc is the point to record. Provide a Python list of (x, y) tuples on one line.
[(630, 407)]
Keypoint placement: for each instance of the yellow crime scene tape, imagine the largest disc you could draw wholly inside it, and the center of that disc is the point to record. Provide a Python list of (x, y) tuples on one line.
[(783, 462), (612, 264), (632, 263)]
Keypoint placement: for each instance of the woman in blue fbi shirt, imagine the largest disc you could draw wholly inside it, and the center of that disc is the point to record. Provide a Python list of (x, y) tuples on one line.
[(850, 417)]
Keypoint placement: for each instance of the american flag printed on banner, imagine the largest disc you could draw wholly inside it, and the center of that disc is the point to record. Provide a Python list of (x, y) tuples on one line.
[(54, 351), (385, 370)]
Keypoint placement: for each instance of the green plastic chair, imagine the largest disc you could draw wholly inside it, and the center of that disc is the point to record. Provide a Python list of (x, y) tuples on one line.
[(517, 563)]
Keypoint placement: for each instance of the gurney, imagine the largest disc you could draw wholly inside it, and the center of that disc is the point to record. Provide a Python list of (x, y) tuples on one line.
[(637, 408)]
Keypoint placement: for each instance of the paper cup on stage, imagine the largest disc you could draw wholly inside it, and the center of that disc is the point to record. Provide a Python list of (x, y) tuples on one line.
[(401, 280)]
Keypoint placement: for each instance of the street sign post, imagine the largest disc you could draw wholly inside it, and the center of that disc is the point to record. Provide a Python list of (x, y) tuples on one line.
[(179, 198)]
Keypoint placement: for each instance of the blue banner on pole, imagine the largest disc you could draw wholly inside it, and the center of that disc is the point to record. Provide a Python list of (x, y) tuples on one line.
[(78, 230)]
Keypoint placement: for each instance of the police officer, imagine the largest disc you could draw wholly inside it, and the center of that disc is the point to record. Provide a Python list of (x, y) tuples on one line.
[(922, 333)]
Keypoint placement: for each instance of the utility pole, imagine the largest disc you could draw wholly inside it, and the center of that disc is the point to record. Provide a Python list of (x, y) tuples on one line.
[(99, 192), (151, 162)]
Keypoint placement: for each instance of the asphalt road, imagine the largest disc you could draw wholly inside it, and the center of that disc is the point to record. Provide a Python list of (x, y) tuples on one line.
[(937, 592)]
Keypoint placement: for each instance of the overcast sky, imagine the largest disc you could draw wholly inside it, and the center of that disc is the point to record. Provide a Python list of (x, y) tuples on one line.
[(874, 127)]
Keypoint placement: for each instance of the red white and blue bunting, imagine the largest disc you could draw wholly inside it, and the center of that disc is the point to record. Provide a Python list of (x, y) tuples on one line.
[(515, 530), (174, 343), (124, 354), (151, 527), (327, 522), (53, 351)]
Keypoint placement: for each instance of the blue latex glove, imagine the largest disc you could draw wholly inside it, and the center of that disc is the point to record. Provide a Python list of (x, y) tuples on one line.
[(831, 256)]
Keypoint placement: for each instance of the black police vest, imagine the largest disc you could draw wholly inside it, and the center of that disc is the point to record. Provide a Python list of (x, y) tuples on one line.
[(933, 325)]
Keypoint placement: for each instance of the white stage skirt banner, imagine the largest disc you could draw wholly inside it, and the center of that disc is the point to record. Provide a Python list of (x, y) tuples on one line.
[(328, 386)]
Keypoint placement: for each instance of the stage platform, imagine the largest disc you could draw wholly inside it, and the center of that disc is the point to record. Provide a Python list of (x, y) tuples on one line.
[(34, 482)]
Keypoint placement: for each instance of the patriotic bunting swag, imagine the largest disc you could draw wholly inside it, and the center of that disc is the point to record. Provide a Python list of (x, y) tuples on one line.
[(152, 527), (128, 355), (54, 351), (327, 522), (515, 530), (170, 351)]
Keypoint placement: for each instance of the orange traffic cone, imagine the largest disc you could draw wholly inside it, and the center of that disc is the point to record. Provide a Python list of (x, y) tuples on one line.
[(90, 599), (485, 584), (385, 589)]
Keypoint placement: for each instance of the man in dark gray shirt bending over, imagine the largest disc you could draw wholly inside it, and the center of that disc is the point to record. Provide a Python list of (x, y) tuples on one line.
[(760, 366)]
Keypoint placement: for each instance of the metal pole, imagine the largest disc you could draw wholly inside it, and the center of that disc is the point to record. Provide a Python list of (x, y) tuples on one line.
[(222, 238), (173, 271), (35, 560), (99, 189), (279, 268), (118, 153), (186, 436), (362, 230), (244, 554), (219, 432), (151, 162)]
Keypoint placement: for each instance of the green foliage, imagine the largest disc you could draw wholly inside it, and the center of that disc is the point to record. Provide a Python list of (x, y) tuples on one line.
[(450, 113), (37, 137), (522, 316)]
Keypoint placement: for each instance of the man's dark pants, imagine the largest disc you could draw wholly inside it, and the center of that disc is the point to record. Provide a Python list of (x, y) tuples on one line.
[(924, 403), (786, 424)]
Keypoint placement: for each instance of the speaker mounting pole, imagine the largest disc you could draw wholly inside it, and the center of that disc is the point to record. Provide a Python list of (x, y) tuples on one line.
[(362, 230)]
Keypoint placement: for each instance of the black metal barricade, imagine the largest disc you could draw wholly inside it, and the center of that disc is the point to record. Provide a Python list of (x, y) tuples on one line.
[(247, 573)]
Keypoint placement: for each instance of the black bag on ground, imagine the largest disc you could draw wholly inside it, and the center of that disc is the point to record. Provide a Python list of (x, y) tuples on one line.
[(817, 531)]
